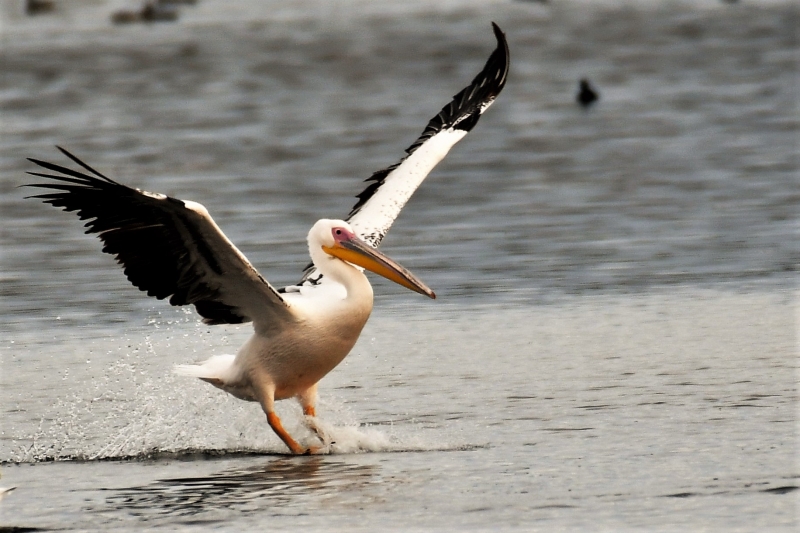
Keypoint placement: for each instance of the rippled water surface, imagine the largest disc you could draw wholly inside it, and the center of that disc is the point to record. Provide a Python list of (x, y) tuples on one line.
[(614, 347)]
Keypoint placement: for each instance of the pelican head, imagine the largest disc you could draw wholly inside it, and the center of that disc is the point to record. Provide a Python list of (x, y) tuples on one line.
[(338, 241)]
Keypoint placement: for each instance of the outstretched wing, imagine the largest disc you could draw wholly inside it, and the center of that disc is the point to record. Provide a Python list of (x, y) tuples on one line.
[(389, 189), (167, 247)]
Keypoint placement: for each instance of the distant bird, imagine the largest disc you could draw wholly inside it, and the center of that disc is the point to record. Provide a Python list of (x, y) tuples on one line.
[(173, 248), (587, 95), (38, 7), (151, 11)]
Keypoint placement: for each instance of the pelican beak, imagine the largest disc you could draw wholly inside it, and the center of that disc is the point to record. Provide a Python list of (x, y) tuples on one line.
[(358, 252)]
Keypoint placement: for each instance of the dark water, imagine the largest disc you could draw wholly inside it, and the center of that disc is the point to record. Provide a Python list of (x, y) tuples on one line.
[(615, 342)]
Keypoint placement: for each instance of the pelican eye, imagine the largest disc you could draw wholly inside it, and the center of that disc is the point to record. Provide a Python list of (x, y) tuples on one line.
[(340, 234)]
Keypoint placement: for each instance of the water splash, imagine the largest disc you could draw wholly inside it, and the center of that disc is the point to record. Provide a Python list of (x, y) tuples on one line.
[(168, 416)]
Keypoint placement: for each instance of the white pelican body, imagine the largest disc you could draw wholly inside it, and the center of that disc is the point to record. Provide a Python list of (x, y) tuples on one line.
[(173, 248), (325, 321), (325, 324)]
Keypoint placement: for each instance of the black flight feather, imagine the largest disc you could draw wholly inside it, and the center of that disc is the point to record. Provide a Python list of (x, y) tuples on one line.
[(147, 234), (461, 113)]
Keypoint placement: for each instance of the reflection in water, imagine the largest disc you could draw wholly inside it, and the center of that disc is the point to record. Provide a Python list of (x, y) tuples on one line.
[(280, 483)]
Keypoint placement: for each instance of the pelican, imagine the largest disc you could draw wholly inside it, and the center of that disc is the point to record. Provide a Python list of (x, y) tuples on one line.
[(171, 248)]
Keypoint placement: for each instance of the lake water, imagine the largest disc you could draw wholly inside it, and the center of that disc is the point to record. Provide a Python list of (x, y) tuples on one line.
[(614, 346)]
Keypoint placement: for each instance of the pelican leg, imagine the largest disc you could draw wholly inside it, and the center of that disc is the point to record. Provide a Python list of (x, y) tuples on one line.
[(277, 427), (308, 399), (267, 400)]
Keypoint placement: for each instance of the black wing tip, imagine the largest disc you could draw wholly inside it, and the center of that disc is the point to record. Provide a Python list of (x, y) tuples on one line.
[(70, 175), (501, 53), (84, 165), (463, 111), (469, 104), (500, 34), (39, 162)]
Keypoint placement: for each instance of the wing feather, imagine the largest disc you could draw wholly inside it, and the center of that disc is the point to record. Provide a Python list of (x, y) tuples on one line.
[(388, 190), (167, 247)]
